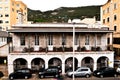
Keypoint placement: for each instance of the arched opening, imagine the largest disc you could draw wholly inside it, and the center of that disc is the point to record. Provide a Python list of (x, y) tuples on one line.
[(69, 64), (87, 62), (37, 64), (20, 63), (55, 62), (102, 62)]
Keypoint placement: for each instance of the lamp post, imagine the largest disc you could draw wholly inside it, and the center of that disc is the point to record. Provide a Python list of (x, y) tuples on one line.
[(73, 49)]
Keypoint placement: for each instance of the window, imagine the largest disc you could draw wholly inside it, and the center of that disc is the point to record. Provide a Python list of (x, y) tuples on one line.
[(6, 21), (99, 39), (6, 8), (22, 40), (87, 40), (1, 15), (115, 28), (116, 40), (103, 21), (50, 39), (0, 8), (115, 17), (115, 6), (108, 19), (17, 5), (107, 10), (6, 0), (13, 3), (76, 40), (12, 9), (36, 40), (1, 21), (0, 28), (103, 12), (6, 15), (63, 39)]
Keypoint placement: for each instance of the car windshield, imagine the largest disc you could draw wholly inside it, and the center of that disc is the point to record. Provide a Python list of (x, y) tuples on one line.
[(102, 68)]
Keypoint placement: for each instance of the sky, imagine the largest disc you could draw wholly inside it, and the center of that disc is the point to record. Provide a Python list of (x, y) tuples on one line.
[(45, 5)]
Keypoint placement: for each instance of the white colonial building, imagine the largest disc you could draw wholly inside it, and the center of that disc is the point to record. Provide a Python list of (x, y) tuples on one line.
[(42, 45)]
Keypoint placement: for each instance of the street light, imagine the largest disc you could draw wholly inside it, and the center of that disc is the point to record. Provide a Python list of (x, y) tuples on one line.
[(73, 49)]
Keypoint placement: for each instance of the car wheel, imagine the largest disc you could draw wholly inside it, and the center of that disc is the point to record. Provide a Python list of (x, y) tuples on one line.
[(11, 77), (87, 75), (26, 77), (101, 76), (41, 76), (115, 75), (56, 75)]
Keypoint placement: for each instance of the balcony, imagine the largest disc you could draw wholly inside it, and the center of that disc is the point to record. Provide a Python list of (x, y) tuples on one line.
[(62, 49)]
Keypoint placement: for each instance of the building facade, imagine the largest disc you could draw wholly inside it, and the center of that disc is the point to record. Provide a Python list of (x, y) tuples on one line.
[(39, 46), (4, 50), (12, 12), (110, 16)]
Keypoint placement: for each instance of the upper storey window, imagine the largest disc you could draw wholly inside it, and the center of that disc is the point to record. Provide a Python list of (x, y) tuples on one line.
[(0, 8), (50, 39), (115, 17), (87, 37), (63, 39), (103, 12), (115, 6), (108, 10), (22, 40), (17, 5), (36, 40)]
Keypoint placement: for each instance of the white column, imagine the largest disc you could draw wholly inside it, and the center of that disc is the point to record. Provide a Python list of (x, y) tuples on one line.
[(46, 64), (10, 65), (111, 36), (29, 64), (63, 68), (111, 60), (10, 68), (95, 66)]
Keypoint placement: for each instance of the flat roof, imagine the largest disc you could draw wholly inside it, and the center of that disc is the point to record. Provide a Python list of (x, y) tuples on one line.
[(58, 29), (3, 34)]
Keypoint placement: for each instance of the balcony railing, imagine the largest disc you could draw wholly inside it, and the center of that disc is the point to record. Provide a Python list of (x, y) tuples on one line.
[(57, 49)]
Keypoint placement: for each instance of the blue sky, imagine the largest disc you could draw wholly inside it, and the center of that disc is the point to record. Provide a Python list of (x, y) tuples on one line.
[(45, 5)]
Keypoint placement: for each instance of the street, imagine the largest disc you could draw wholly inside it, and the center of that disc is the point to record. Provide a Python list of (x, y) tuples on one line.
[(66, 78)]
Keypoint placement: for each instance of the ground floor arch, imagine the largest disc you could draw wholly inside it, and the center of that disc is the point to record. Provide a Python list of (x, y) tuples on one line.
[(54, 62), (102, 62), (69, 63), (37, 64), (20, 63), (87, 62)]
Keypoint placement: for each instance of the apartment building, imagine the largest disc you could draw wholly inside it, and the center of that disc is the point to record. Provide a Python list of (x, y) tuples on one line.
[(110, 16), (38, 46), (12, 12), (4, 50)]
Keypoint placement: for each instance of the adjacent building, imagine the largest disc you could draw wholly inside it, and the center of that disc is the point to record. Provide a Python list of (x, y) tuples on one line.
[(38, 46), (12, 12), (110, 16), (4, 50)]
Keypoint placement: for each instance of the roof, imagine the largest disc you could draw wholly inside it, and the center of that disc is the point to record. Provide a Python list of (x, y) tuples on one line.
[(57, 29), (3, 34)]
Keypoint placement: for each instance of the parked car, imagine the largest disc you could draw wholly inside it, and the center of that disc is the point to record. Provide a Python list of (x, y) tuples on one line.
[(105, 72), (49, 72), (80, 72), (24, 73), (1, 74), (118, 69)]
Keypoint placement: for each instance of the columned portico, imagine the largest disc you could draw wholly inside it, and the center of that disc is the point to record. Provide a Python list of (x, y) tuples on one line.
[(79, 57)]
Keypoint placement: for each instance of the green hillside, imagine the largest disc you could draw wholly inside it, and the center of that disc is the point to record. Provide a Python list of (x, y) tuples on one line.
[(64, 13)]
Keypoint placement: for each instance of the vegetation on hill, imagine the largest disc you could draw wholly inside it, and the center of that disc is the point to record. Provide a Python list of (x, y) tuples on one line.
[(64, 13)]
